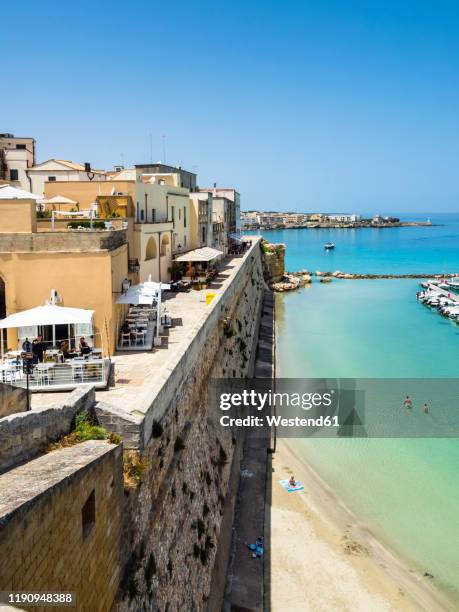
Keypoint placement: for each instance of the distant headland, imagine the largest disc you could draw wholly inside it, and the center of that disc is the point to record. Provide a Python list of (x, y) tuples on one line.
[(254, 220)]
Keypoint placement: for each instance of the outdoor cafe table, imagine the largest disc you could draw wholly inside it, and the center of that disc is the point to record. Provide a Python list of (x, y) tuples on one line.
[(44, 371), (53, 355)]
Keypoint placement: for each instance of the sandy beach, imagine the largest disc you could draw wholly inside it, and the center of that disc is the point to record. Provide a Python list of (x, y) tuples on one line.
[(321, 558)]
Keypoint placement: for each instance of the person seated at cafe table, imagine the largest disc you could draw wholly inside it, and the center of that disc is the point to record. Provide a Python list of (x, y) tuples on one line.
[(85, 349), (126, 329), (66, 351)]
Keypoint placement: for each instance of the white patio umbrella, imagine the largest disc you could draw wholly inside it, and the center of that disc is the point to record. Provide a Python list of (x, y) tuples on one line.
[(49, 314), (135, 297), (7, 192), (199, 255), (59, 199), (152, 287)]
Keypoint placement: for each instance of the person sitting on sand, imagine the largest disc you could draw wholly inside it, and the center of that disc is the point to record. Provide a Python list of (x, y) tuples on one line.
[(291, 482), (408, 402)]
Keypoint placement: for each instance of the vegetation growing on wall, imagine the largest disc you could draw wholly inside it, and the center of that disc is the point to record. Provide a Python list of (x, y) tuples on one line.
[(134, 467), (85, 429)]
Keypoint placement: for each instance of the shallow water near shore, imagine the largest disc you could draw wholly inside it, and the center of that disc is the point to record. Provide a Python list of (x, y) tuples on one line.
[(405, 490)]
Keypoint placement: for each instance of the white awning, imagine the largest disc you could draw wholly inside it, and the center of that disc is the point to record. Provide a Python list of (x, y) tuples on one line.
[(202, 254), (47, 315), (136, 298), (145, 293), (151, 286), (7, 192)]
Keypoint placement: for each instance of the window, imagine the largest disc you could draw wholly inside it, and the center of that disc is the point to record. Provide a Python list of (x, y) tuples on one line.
[(153, 215), (52, 179), (88, 515), (184, 216), (150, 252), (30, 331), (137, 216), (142, 215), (14, 174), (204, 234), (21, 146), (173, 214), (164, 244)]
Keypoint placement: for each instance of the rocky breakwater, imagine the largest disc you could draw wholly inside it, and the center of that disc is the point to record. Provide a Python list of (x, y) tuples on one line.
[(291, 281), (295, 280)]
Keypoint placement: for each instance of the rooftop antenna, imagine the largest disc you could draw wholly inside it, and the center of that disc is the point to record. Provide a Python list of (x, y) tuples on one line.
[(122, 159), (164, 148), (151, 148)]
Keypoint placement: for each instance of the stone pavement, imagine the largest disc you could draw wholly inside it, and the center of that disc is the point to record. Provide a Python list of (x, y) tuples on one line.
[(139, 376), (247, 583)]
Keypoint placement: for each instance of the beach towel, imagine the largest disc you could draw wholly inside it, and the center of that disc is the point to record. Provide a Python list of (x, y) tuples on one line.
[(257, 549), (298, 486)]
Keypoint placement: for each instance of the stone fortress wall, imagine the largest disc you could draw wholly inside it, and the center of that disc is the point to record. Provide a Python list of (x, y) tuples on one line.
[(12, 400)]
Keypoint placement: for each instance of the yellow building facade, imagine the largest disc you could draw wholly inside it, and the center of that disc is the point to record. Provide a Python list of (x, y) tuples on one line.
[(86, 269), (159, 214)]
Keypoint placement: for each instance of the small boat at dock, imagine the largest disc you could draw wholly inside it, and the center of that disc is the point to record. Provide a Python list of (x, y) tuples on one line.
[(437, 297), (329, 246)]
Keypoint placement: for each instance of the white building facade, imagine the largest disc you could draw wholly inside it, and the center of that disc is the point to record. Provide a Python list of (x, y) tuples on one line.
[(57, 170), (17, 156)]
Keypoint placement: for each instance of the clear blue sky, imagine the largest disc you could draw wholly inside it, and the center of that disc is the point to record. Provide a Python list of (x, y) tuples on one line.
[(325, 105)]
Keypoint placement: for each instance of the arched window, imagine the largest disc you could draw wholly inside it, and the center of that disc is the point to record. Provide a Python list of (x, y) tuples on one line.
[(164, 243), (150, 252)]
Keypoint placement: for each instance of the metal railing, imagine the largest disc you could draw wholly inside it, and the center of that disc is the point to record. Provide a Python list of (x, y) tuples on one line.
[(50, 376)]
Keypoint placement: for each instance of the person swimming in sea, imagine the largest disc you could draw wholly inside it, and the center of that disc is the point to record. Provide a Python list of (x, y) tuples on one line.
[(425, 408), (408, 403)]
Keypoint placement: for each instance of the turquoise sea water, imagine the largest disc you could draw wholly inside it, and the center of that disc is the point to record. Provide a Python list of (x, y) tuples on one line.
[(405, 490), (371, 250)]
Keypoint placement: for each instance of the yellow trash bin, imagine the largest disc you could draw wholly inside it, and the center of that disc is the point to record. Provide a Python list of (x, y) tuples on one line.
[(209, 297)]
